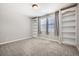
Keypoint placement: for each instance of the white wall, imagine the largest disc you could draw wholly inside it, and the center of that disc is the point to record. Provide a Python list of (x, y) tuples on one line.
[(13, 25)]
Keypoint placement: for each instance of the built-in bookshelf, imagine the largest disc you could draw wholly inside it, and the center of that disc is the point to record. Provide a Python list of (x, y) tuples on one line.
[(35, 27), (68, 25)]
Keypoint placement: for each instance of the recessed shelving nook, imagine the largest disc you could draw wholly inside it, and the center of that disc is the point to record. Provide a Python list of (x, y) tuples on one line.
[(35, 27), (68, 25)]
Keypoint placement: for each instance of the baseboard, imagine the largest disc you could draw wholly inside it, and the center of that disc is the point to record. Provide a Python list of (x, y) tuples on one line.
[(15, 40), (49, 39)]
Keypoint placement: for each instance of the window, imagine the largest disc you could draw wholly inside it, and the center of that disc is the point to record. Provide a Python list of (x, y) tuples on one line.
[(43, 25), (51, 23)]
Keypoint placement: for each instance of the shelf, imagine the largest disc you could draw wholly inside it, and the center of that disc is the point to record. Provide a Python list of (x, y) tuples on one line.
[(69, 20), (34, 33), (68, 37), (66, 34), (35, 30), (68, 30), (69, 41), (68, 26), (34, 26), (68, 17), (69, 14), (35, 23)]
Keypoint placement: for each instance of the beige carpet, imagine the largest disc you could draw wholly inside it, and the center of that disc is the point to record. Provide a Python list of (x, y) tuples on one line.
[(37, 47)]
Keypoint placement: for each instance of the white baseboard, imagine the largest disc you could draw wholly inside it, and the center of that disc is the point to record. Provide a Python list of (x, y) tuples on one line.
[(49, 39), (15, 40)]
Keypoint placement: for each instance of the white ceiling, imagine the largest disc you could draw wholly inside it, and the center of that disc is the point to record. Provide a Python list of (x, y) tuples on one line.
[(44, 8)]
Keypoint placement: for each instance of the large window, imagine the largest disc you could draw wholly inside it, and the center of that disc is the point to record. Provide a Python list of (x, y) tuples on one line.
[(47, 24), (43, 25), (51, 23)]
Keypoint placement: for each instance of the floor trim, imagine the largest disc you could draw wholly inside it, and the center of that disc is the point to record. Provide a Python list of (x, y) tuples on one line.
[(49, 39), (15, 40)]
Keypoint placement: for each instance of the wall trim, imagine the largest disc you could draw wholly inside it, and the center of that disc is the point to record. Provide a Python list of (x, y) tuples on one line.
[(49, 39), (15, 40)]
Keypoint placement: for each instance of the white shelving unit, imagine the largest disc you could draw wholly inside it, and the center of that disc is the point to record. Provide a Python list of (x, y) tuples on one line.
[(68, 26), (35, 27)]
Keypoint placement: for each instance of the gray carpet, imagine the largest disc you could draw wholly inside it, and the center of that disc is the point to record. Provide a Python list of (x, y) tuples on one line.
[(37, 47)]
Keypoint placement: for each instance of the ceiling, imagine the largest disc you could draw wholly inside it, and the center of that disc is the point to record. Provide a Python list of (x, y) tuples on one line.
[(44, 8)]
